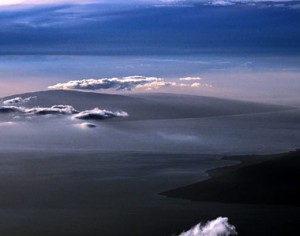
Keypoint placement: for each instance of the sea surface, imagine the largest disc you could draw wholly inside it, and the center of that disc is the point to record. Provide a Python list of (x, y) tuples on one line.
[(60, 180)]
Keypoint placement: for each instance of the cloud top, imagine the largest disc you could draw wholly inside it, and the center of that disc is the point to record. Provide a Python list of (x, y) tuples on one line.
[(56, 109), (217, 227), (94, 114), (98, 114), (126, 83), (18, 100)]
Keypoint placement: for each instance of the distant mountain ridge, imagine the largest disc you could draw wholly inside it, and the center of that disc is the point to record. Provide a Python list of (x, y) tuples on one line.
[(148, 106)]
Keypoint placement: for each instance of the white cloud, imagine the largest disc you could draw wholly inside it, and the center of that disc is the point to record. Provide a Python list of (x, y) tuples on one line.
[(195, 85), (198, 85), (217, 227), (98, 114), (94, 114), (57, 109), (124, 83), (156, 85), (127, 83), (18, 100)]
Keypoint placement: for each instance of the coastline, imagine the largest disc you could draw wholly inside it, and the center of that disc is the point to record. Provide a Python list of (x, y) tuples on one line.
[(256, 179)]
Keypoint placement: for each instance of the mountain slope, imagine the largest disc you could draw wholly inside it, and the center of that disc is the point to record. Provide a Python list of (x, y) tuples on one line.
[(148, 106)]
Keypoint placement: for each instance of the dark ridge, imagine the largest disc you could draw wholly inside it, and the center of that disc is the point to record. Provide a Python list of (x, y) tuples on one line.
[(263, 179)]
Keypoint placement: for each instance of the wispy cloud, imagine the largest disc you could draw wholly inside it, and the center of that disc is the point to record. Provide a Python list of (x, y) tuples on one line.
[(193, 82), (86, 125), (42, 2), (217, 227), (270, 3)]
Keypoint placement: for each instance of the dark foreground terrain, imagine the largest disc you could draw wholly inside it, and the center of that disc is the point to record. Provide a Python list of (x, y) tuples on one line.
[(270, 179)]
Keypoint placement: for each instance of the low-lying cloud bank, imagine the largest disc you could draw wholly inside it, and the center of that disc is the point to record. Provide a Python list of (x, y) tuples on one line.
[(217, 227), (98, 114), (94, 114), (57, 109), (17, 100), (126, 83)]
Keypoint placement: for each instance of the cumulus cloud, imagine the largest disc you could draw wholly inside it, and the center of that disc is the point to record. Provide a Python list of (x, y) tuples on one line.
[(127, 83), (18, 100), (124, 83), (217, 227), (98, 114), (156, 85), (57, 109), (94, 114), (193, 82)]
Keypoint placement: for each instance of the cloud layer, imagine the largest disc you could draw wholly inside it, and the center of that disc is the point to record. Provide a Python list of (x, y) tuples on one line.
[(56, 109), (126, 83), (94, 114), (17, 100), (217, 227), (98, 114)]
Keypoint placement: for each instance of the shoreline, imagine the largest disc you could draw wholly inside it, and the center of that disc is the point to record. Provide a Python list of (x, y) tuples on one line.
[(256, 179)]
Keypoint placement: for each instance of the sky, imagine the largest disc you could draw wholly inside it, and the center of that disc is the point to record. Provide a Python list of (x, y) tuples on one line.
[(142, 27), (239, 49)]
